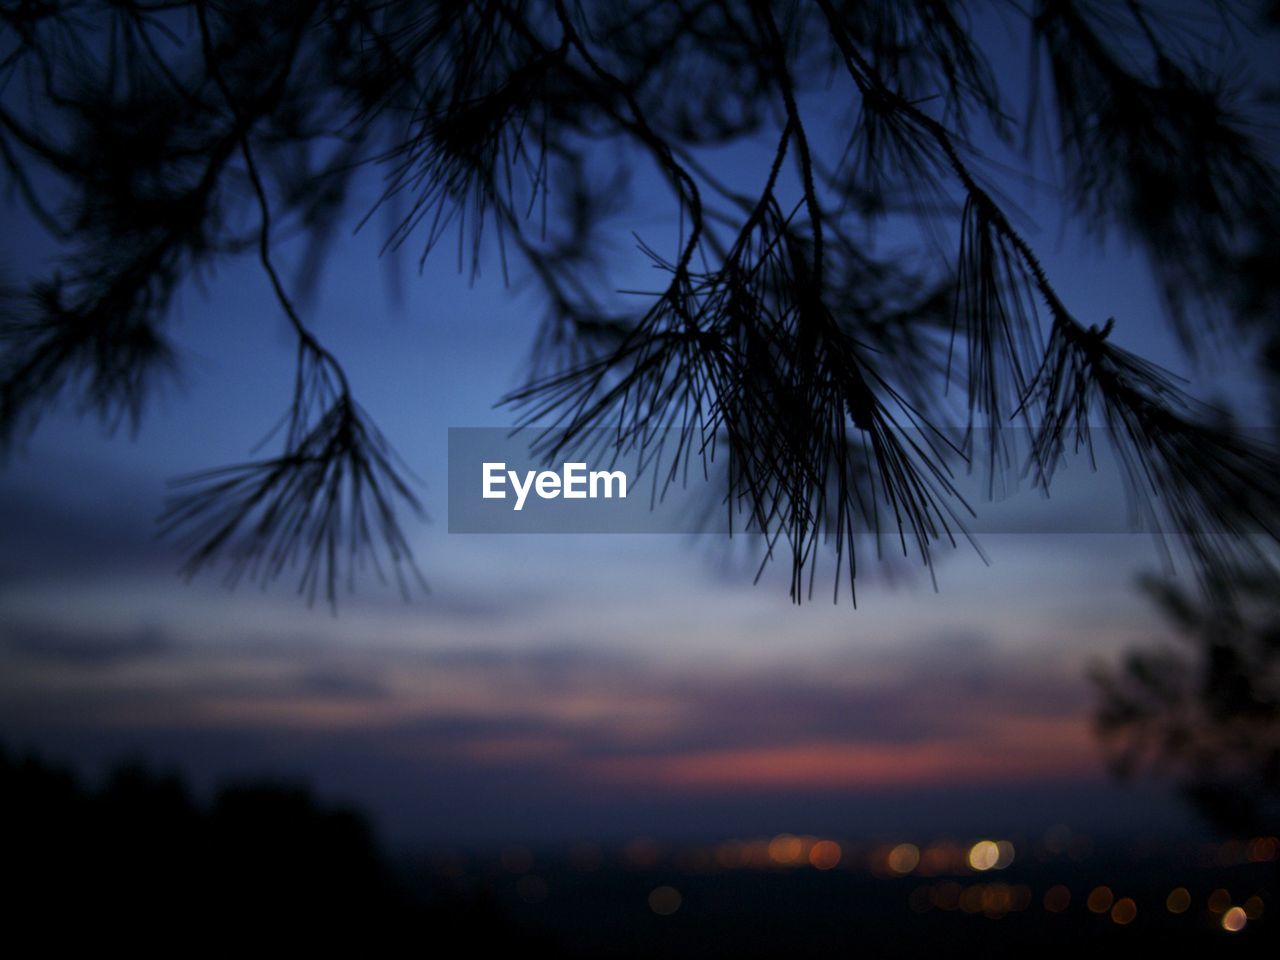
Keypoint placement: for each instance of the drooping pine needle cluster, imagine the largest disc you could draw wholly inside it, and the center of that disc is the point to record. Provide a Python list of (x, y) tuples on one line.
[(784, 342)]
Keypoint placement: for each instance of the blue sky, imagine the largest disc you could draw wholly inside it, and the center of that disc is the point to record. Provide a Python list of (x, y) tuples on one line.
[(555, 687)]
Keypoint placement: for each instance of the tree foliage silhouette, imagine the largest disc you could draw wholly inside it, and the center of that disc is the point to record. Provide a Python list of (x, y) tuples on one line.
[(1205, 709), (784, 338), (140, 859)]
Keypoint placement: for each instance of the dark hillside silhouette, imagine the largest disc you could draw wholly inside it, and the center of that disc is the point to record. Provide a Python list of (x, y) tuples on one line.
[(140, 865)]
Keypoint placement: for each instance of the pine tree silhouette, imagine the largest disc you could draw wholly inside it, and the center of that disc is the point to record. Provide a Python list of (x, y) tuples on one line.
[(1204, 708), (815, 362)]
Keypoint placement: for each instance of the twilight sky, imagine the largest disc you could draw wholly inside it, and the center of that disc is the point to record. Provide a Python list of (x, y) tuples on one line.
[(558, 687)]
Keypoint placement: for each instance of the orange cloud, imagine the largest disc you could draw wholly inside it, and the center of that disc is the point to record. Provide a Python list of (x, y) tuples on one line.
[(1017, 751)]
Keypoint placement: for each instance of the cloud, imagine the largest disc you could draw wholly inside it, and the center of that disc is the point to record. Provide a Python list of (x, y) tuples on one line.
[(1009, 754), (66, 646), (79, 520), (334, 683), (564, 723)]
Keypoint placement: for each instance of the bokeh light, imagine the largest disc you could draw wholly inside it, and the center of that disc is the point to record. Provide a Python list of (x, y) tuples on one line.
[(943, 857), (1100, 899), (984, 855), (997, 900), (971, 899), (664, 900), (904, 858), (786, 849), (1219, 900), (1057, 898), (1233, 920), (1124, 912), (642, 852), (946, 896), (824, 855), (731, 854), (1262, 849), (1178, 901), (1253, 907), (1004, 854)]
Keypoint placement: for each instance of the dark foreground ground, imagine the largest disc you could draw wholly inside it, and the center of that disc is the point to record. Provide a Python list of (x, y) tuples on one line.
[(263, 869)]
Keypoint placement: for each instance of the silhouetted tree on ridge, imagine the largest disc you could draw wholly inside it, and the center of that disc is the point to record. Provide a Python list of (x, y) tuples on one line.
[(140, 863), (183, 133), (1204, 708)]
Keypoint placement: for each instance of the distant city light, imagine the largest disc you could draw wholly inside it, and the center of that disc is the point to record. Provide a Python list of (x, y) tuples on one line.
[(756, 854), (942, 857), (984, 855), (1219, 900), (731, 854), (1233, 920), (993, 900), (786, 849), (904, 858), (1100, 899), (946, 896), (1004, 855), (1263, 849), (971, 899), (825, 854), (664, 901), (1124, 911), (642, 852), (1253, 907), (1057, 898)]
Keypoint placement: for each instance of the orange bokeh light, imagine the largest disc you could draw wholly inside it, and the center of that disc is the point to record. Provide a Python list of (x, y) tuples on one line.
[(825, 855)]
